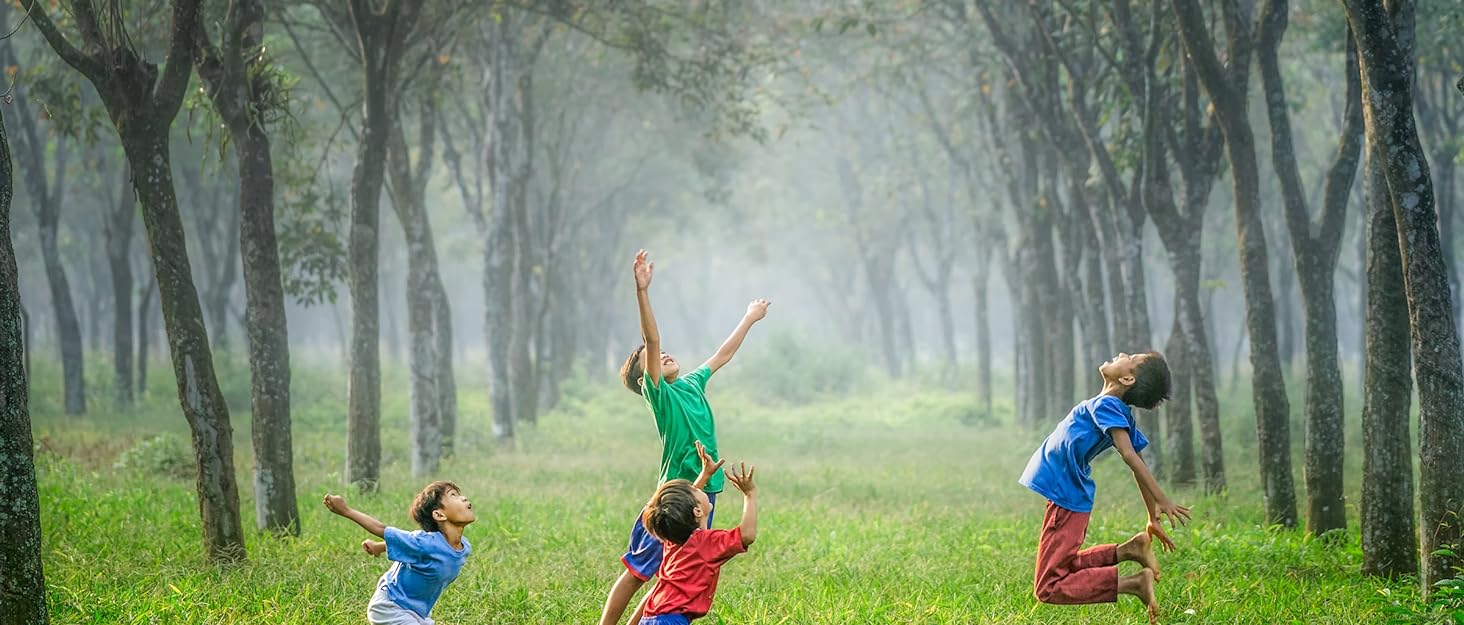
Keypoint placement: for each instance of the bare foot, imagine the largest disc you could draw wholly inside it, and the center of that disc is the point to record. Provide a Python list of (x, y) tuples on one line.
[(1146, 592), (1140, 549), (373, 548), (1141, 585)]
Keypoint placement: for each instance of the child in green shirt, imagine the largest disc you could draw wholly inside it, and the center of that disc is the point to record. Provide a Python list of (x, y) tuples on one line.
[(683, 417)]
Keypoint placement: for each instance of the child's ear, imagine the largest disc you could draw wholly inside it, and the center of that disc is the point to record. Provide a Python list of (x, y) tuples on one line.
[(439, 515), (1127, 380)]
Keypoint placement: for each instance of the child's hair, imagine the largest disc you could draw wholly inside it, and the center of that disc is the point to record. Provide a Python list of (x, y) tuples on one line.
[(428, 500), (632, 371), (1151, 382), (670, 515)]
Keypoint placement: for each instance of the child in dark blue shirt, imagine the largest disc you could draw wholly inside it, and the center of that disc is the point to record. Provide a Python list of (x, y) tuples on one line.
[(1060, 471), (424, 561)]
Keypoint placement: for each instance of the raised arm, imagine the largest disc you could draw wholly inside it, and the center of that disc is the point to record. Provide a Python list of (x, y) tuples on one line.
[(742, 479), (1155, 501), (755, 313), (337, 504), (651, 357)]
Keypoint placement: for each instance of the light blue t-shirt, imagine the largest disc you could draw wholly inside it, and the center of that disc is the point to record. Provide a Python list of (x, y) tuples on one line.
[(423, 564), (1059, 470)]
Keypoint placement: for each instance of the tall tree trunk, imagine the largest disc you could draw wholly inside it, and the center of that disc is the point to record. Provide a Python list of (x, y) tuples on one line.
[(446, 378), (1272, 407), (275, 506), (498, 253), (980, 284), (1385, 44), (144, 325), (1178, 425), (198, 388), (1315, 246), (47, 195), (23, 585), (142, 100), (227, 74), (1389, 538), (119, 242)]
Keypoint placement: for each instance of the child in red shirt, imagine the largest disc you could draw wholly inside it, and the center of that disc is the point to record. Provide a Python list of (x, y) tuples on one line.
[(678, 514)]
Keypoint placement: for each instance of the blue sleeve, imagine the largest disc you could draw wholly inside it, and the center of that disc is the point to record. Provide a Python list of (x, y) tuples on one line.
[(404, 546), (699, 377), (1110, 412)]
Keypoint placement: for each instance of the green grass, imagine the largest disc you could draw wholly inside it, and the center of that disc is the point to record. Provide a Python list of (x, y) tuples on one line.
[(894, 505)]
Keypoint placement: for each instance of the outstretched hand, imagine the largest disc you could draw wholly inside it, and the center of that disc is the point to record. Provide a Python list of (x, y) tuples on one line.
[(1176, 513), (1156, 531), (757, 309), (337, 504), (741, 477), (643, 270), (709, 466)]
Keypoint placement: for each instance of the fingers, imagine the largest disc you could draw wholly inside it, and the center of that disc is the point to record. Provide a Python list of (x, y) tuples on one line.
[(718, 464)]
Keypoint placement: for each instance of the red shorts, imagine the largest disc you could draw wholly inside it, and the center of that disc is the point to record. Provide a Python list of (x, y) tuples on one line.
[(1067, 575)]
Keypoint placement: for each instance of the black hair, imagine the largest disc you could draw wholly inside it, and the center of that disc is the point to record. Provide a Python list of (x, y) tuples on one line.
[(430, 500), (671, 514), (1151, 382), (632, 372)]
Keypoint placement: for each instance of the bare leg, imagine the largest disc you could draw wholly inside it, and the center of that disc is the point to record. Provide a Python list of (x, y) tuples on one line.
[(1141, 585), (620, 596), (640, 610), (1140, 549)]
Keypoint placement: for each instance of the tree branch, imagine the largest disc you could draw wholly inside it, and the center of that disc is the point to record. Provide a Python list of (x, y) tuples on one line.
[(88, 65)]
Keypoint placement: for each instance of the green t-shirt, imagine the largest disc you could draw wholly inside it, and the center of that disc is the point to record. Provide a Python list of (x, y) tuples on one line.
[(682, 418)]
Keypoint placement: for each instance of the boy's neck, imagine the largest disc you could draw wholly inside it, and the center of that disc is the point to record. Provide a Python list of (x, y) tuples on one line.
[(453, 533), (1113, 388)]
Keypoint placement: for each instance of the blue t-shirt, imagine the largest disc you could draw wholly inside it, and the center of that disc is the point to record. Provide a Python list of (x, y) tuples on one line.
[(423, 564), (1059, 470)]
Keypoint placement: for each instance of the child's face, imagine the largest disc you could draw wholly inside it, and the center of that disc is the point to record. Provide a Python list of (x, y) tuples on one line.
[(703, 507), (1121, 368), (669, 367), (456, 509)]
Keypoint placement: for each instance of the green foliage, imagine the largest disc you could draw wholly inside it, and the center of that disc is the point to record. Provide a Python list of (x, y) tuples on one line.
[(161, 456)]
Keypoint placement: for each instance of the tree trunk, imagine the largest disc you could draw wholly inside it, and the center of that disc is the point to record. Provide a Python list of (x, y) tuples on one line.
[(1315, 246), (363, 409), (275, 505), (1178, 425), (119, 240), (198, 388), (144, 325), (23, 584), (498, 252), (1389, 541), (983, 338), (1272, 407), (1386, 50), (47, 196), (446, 378), (1199, 362)]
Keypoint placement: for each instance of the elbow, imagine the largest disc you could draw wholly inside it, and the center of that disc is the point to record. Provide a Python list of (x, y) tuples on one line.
[(748, 538)]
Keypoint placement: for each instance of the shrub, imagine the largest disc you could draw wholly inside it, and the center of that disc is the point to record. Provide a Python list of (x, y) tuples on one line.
[(164, 455)]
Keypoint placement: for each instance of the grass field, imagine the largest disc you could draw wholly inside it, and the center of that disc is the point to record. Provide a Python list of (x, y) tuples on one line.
[(894, 504)]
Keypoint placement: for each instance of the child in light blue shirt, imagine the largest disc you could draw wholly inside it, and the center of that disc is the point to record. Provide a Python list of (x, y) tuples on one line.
[(424, 561)]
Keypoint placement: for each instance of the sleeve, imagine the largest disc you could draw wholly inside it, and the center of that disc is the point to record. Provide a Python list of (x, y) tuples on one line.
[(652, 392), (403, 546), (1110, 412), (699, 377), (721, 545)]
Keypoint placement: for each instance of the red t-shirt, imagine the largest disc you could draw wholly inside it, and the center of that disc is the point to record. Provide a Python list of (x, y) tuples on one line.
[(688, 575)]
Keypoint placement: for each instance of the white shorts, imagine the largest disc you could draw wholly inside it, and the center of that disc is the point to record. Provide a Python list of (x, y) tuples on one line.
[(381, 611)]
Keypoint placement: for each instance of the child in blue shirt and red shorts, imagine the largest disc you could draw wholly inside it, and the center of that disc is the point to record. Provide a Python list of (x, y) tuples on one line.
[(1060, 471)]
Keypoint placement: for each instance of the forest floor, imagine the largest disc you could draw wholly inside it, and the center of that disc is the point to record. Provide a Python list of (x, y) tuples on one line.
[(898, 504)]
